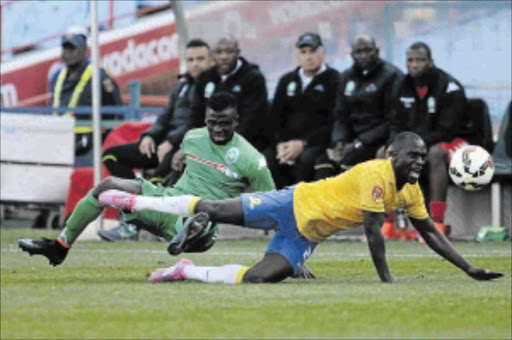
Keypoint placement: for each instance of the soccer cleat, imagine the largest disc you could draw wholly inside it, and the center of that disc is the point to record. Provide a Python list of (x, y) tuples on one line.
[(52, 249), (194, 227), (174, 273), (123, 232), (117, 199)]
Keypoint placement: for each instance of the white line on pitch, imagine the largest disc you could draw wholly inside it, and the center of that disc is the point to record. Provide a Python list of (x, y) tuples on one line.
[(13, 249)]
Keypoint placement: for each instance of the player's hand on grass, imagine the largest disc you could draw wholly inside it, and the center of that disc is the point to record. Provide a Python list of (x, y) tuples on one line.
[(483, 274), (303, 272)]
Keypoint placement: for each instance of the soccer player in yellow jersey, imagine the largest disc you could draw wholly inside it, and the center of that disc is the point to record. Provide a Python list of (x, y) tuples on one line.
[(308, 213)]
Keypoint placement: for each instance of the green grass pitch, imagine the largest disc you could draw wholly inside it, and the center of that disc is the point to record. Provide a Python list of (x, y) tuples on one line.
[(101, 292)]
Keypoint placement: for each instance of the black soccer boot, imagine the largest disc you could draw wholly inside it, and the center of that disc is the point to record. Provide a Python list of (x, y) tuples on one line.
[(193, 228), (52, 249)]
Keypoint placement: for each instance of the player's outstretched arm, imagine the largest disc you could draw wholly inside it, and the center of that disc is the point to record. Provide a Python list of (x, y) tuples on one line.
[(372, 225), (441, 245)]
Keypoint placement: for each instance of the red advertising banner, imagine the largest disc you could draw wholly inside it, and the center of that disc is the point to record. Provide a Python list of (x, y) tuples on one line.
[(267, 31), (134, 53)]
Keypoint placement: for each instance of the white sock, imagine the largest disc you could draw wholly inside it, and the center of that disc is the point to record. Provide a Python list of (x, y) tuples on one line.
[(224, 274), (177, 205)]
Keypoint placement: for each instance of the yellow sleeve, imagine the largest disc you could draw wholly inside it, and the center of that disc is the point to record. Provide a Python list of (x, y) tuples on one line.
[(372, 191), (415, 207)]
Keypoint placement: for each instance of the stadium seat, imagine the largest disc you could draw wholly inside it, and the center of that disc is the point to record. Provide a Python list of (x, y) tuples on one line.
[(478, 112)]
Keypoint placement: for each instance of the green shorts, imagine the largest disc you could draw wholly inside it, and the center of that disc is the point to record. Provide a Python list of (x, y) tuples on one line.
[(166, 225)]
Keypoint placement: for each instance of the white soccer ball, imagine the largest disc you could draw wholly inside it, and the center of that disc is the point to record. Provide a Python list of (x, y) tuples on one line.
[(471, 167)]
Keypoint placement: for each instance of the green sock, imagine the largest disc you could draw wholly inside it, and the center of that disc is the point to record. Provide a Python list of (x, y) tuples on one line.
[(86, 211)]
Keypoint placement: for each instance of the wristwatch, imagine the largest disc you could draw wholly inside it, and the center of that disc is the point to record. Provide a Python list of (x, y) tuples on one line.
[(358, 144)]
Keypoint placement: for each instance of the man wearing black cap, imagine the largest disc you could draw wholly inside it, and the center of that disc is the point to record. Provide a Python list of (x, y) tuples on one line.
[(301, 110), (71, 87)]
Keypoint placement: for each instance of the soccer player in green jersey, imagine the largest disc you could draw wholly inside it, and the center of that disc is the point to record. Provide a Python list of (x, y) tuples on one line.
[(219, 164)]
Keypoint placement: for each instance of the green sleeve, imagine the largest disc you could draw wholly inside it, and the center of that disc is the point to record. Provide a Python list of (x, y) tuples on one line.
[(259, 175)]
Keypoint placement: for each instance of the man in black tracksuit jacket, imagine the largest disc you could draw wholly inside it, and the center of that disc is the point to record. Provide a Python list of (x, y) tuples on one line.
[(364, 104), (432, 103), (156, 147), (437, 117), (158, 144), (234, 74), (170, 126), (301, 113)]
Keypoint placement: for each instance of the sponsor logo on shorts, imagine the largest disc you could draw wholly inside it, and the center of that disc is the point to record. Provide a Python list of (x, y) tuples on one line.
[(306, 254), (254, 201)]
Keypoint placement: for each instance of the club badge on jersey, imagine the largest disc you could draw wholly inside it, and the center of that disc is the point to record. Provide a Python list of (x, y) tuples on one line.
[(290, 90), (232, 155), (431, 105), (349, 88), (208, 89)]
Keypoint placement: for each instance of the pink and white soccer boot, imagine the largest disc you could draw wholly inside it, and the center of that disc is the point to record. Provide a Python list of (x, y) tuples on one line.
[(174, 273)]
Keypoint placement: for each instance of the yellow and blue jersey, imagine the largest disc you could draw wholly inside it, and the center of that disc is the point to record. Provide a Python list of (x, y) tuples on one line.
[(324, 207)]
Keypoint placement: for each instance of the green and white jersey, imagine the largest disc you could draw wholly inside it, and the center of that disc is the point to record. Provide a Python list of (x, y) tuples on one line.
[(221, 171)]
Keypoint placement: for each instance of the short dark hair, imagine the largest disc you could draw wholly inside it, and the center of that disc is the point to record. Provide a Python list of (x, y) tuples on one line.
[(420, 44), (198, 43), (222, 100), (404, 138)]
